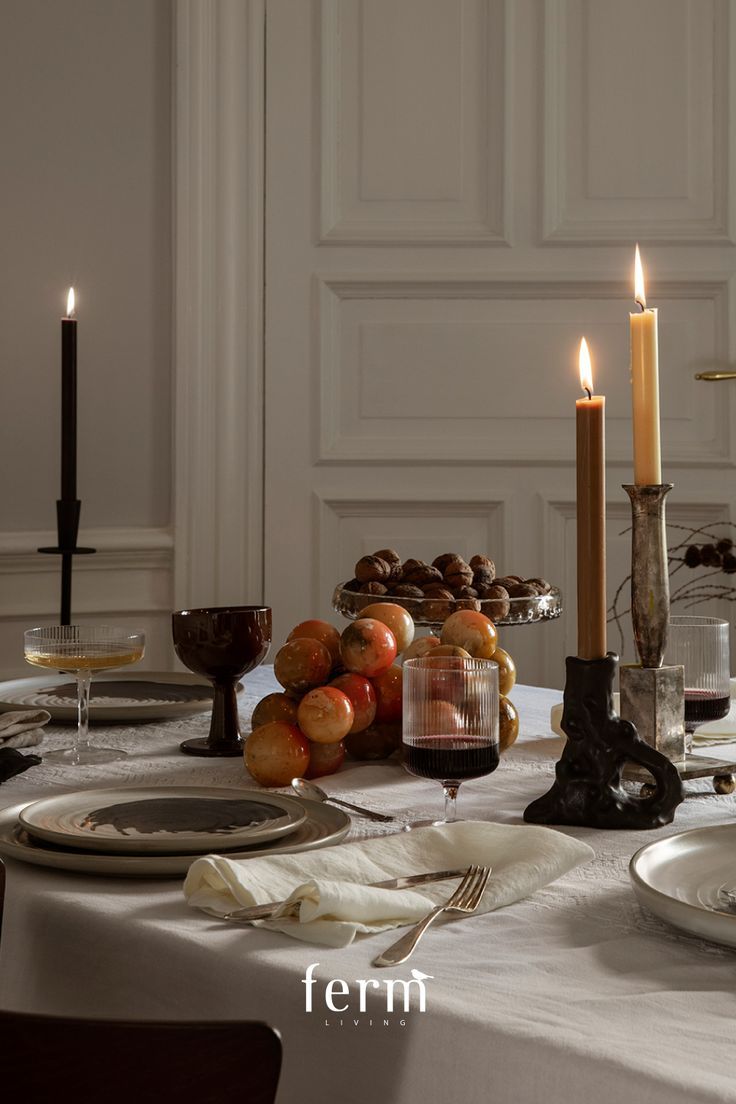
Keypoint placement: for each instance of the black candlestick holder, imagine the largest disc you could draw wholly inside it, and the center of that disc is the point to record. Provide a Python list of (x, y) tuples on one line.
[(67, 528), (587, 788)]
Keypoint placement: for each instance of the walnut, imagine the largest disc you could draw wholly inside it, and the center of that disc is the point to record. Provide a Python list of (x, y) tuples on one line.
[(353, 585), (437, 590), (482, 561), (393, 559), (507, 581), (522, 590), (410, 565), (372, 569), (542, 585), (421, 575), (483, 577), (458, 574), (435, 609), (495, 602), (465, 592), (468, 603), (441, 562), (373, 588), (405, 590)]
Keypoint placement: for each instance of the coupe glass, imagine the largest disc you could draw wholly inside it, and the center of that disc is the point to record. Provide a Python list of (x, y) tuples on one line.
[(83, 650), (450, 722), (700, 644)]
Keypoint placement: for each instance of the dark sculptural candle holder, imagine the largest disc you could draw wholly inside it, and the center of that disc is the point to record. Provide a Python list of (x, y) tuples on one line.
[(587, 788)]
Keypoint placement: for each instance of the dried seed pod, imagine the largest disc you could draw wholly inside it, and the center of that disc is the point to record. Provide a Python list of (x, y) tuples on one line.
[(725, 544), (709, 556), (692, 556), (372, 569), (729, 563)]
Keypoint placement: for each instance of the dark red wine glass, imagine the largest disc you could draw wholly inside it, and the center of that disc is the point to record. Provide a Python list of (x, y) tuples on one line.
[(222, 644), (700, 644), (450, 722)]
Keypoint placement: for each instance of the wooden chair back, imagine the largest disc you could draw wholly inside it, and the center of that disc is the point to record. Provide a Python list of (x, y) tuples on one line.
[(47, 1058)]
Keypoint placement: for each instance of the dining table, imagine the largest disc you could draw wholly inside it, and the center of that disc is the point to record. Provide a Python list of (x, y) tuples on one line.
[(576, 993)]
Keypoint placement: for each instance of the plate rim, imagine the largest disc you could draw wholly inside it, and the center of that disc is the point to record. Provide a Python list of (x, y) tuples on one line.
[(645, 891), (175, 866), (107, 845)]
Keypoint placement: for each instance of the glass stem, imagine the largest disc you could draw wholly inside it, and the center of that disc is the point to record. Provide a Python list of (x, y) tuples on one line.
[(451, 789), (84, 678)]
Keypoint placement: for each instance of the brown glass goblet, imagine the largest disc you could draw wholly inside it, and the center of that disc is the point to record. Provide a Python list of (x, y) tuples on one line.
[(223, 644)]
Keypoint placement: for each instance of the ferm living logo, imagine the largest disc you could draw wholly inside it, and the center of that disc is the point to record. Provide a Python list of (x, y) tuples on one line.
[(348, 1008)]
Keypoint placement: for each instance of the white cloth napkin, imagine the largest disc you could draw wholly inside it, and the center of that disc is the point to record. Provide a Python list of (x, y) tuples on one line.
[(22, 728), (332, 885)]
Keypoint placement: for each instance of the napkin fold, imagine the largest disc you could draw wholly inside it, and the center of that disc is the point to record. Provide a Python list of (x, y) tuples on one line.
[(336, 901), (22, 728)]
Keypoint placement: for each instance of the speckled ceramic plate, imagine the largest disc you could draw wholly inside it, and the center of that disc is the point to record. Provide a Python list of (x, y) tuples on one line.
[(162, 820), (680, 878), (324, 826), (118, 697)]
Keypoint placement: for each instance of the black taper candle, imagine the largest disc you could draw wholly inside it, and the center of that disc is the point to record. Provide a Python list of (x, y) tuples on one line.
[(69, 402)]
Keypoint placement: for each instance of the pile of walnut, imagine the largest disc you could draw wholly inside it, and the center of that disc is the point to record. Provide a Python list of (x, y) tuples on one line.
[(342, 692), (446, 585)]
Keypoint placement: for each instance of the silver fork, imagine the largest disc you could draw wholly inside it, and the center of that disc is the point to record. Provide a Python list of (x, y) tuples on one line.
[(465, 899)]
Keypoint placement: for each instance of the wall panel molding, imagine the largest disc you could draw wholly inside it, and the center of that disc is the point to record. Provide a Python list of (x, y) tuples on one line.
[(692, 171), (477, 208)]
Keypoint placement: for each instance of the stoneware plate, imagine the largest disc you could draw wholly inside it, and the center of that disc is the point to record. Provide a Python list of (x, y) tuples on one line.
[(679, 879), (162, 820), (323, 826), (118, 697)]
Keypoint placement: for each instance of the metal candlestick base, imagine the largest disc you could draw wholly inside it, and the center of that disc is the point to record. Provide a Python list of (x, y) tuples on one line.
[(587, 788), (722, 771), (650, 581), (653, 699)]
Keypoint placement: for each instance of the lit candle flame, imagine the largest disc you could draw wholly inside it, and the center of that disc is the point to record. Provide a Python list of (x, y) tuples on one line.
[(70, 303), (586, 371), (639, 292)]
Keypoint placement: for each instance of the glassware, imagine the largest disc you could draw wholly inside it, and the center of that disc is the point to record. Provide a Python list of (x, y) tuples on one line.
[(222, 643), (450, 722), (83, 650), (700, 644)]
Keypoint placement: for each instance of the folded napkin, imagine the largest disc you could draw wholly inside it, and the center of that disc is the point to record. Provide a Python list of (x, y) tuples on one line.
[(22, 728), (332, 885)]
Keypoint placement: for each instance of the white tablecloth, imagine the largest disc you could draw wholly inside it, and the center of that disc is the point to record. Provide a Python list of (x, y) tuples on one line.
[(574, 995)]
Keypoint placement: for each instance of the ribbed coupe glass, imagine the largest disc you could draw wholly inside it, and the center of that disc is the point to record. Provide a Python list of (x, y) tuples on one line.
[(700, 644), (83, 650), (450, 722)]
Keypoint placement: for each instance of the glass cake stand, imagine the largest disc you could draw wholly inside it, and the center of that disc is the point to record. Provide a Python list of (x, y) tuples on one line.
[(431, 613)]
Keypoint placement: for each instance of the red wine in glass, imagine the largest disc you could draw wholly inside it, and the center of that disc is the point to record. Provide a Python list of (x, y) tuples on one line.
[(451, 758), (702, 706)]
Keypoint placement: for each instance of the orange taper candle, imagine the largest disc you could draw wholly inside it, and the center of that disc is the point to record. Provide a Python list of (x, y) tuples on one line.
[(591, 514)]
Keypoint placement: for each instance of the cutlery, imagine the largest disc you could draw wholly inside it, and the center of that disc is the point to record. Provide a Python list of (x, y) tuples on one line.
[(465, 899), (728, 897), (266, 911), (306, 789)]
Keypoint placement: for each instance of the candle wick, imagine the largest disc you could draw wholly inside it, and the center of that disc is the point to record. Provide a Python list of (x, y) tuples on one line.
[(587, 390), (640, 305)]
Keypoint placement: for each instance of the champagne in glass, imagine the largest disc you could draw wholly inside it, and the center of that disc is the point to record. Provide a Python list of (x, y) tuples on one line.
[(82, 650)]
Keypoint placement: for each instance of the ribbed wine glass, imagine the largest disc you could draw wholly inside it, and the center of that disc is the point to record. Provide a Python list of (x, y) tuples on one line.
[(450, 722), (82, 650)]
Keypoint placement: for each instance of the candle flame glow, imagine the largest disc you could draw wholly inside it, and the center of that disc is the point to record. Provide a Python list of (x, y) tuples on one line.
[(70, 303), (639, 292), (586, 371)]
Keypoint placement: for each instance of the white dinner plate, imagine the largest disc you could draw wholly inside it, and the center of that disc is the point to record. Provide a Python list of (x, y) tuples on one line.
[(679, 879), (324, 825), (117, 697), (163, 820)]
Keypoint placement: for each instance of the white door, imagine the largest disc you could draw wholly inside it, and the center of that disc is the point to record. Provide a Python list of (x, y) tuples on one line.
[(453, 193)]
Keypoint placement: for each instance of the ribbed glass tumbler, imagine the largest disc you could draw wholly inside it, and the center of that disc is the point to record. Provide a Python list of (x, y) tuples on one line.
[(701, 645)]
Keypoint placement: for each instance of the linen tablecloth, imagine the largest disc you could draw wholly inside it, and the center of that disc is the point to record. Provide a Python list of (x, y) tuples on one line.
[(573, 995)]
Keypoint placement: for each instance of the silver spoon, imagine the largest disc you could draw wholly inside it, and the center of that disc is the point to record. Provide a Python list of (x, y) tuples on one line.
[(306, 789)]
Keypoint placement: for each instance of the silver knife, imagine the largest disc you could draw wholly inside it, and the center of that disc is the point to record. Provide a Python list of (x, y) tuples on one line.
[(264, 912)]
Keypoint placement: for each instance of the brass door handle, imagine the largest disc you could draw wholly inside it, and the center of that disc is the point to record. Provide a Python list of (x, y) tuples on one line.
[(714, 377)]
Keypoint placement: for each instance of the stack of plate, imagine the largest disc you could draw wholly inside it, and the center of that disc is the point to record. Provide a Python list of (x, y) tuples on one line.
[(158, 831)]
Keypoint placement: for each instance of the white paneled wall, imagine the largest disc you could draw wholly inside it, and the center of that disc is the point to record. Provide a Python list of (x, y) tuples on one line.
[(454, 189)]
